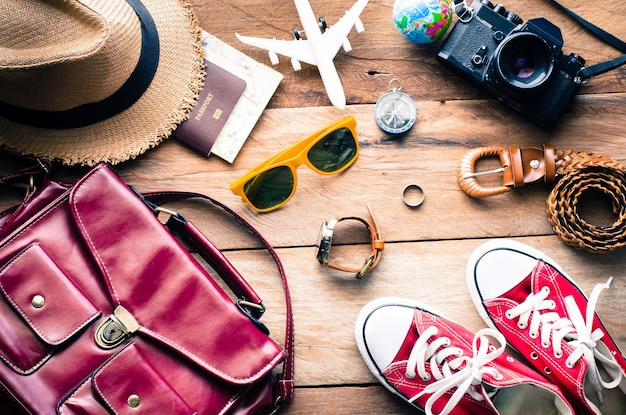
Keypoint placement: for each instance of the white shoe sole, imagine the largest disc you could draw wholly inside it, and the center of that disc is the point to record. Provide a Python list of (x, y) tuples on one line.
[(503, 245), (361, 321)]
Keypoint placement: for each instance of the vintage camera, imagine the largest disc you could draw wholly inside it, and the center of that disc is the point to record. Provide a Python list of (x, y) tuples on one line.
[(520, 63)]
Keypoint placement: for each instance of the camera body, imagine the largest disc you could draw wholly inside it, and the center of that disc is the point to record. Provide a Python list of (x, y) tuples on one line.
[(522, 64)]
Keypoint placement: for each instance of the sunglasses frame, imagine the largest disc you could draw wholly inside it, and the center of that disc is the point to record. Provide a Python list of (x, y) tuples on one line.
[(293, 157)]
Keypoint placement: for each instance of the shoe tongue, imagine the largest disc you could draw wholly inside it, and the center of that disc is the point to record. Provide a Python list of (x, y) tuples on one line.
[(411, 337), (460, 336), (520, 291), (421, 322)]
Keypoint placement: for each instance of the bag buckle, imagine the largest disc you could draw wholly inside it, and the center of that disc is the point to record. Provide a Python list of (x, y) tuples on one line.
[(118, 327), (244, 306)]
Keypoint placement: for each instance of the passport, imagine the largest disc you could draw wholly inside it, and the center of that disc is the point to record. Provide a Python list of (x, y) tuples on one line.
[(221, 92)]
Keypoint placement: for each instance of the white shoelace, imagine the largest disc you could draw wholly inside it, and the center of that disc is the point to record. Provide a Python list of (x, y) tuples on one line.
[(576, 330), (451, 368)]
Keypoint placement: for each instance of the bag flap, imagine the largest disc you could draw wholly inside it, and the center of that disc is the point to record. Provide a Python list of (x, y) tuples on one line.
[(166, 290), (48, 303), (129, 385)]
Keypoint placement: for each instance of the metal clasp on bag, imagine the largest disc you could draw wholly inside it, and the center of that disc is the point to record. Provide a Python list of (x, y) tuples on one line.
[(244, 307), (118, 327)]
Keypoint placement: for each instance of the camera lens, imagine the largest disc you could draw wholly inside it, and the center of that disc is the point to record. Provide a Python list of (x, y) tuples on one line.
[(523, 67), (524, 62)]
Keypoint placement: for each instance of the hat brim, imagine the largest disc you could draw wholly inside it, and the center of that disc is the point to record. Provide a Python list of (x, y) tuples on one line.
[(165, 104)]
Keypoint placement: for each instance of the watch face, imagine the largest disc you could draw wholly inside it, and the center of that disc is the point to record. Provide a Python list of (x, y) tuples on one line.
[(395, 112), (324, 241)]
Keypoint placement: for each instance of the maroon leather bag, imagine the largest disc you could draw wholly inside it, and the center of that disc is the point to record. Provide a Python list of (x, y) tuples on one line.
[(103, 310)]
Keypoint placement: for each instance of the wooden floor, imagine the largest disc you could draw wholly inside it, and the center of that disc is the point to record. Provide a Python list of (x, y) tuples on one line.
[(426, 249)]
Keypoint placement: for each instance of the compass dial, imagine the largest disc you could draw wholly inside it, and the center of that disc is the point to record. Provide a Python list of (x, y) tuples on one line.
[(395, 112)]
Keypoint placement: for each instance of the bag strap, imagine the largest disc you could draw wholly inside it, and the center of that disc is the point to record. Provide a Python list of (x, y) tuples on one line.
[(251, 303), (26, 167), (214, 257)]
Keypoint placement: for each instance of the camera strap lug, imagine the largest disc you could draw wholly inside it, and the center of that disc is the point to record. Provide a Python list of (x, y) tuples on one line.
[(463, 11)]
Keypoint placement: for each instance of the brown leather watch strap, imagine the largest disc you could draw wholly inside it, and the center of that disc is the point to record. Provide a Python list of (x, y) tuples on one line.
[(377, 244)]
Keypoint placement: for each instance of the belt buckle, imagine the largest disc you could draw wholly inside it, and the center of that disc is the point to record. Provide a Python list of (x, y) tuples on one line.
[(467, 174)]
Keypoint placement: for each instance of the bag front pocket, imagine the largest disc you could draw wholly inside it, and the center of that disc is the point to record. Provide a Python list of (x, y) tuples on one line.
[(126, 384), (43, 309)]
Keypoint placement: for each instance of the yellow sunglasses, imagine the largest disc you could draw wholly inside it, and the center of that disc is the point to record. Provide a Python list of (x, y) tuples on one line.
[(272, 183)]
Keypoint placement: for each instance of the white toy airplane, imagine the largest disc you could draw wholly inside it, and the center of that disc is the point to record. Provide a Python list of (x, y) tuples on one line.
[(320, 46)]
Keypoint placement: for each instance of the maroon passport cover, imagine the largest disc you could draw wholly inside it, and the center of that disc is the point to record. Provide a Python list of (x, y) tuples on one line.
[(221, 91)]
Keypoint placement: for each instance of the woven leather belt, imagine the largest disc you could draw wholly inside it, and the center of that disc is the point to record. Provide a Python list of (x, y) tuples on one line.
[(575, 173)]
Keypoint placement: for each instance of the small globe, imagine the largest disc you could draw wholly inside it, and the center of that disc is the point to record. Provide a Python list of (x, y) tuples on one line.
[(422, 21)]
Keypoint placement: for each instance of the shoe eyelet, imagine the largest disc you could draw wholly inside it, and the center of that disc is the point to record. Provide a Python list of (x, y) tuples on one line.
[(534, 355), (498, 376), (459, 352), (552, 305), (426, 378), (508, 314), (569, 365), (510, 359), (546, 289), (409, 376), (522, 325), (492, 348), (533, 334), (447, 342), (558, 355), (547, 370), (545, 345)]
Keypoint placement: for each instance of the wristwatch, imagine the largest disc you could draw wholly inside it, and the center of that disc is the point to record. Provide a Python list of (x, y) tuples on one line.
[(325, 240)]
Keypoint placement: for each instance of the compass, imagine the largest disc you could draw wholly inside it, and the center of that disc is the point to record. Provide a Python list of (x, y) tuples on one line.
[(395, 111)]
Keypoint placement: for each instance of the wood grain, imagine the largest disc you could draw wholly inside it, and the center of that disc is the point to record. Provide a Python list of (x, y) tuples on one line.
[(381, 53), (426, 248)]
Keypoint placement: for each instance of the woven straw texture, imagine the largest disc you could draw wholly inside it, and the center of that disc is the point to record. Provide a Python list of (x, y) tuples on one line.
[(167, 102)]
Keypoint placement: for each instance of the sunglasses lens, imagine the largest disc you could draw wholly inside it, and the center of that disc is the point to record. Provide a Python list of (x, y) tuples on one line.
[(334, 151), (270, 188)]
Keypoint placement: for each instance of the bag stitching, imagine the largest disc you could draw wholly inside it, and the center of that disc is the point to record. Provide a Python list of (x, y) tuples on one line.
[(254, 377), (61, 407), (88, 237), (34, 326)]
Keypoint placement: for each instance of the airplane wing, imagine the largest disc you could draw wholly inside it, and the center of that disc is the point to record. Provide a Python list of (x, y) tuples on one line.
[(334, 36), (296, 49), (300, 49)]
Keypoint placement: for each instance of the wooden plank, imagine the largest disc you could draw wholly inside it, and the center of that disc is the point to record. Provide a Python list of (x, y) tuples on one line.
[(428, 155), (381, 53), (366, 399), (326, 302), (426, 248)]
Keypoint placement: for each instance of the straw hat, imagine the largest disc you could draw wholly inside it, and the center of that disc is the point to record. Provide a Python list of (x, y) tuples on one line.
[(84, 81)]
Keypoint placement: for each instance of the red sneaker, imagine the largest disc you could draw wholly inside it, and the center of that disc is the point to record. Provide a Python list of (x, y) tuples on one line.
[(543, 314), (441, 368)]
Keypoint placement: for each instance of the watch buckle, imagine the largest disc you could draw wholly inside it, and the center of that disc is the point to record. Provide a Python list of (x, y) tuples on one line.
[(366, 267)]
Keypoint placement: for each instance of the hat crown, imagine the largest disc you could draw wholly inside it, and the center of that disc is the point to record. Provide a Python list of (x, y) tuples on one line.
[(56, 55), (85, 81)]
